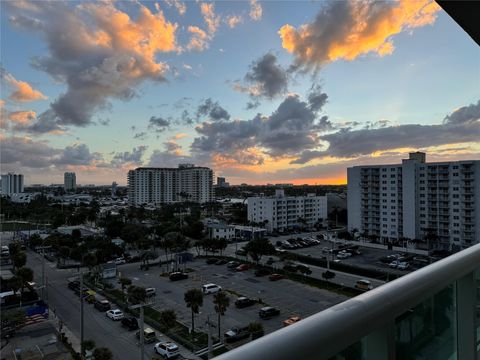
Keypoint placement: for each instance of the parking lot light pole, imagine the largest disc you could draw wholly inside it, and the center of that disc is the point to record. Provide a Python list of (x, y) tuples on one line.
[(81, 315)]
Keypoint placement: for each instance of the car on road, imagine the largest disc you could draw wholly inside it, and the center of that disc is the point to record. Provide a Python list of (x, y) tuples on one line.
[(73, 285), (175, 276), (275, 277), (149, 335), (363, 284), (236, 333), (130, 323), (268, 312), (167, 349), (232, 264), (90, 296), (243, 302), (303, 269), (242, 267), (241, 252), (115, 314), (101, 304), (211, 261), (291, 320), (262, 272), (211, 288), (220, 262)]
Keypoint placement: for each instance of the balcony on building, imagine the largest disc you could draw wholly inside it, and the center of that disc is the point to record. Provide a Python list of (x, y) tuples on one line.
[(431, 313)]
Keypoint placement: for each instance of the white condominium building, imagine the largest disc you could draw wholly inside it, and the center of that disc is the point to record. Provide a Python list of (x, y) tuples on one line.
[(69, 181), (12, 184), (280, 212), (166, 185), (415, 200)]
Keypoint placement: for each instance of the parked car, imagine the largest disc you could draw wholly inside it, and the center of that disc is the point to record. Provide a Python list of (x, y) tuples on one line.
[(149, 335), (75, 284), (120, 261), (90, 296), (221, 262), (115, 314), (403, 266), (393, 264), (211, 288), (101, 304), (262, 272), (232, 264), (363, 284), (270, 261), (130, 323), (242, 267), (291, 320), (211, 261), (243, 302), (268, 312), (175, 276), (236, 333), (167, 349), (275, 277), (241, 252)]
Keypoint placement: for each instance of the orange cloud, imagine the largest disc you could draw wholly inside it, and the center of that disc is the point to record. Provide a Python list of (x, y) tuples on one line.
[(233, 20), (180, 136), (199, 40), (22, 117), (346, 30), (149, 34), (255, 10), (212, 20), (23, 91)]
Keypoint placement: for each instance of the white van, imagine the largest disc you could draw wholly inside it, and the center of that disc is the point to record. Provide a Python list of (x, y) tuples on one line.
[(211, 288), (5, 251)]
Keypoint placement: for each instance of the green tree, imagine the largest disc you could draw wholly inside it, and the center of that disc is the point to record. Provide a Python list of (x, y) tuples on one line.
[(76, 234), (26, 275), (136, 294), (221, 302), (257, 248), (13, 317), (168, 318), (90, 260), (256, 330), (102, 354), (88, 345), (194, 300), (19, 259), (124, 282), (63, 253), (34, 241)]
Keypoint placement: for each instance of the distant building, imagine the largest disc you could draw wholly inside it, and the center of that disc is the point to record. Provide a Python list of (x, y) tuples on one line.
[(69, 181), (166, 185), (221, 182), (414, 199), (282, 212), (114, 189), (12, 184), (219, 231)]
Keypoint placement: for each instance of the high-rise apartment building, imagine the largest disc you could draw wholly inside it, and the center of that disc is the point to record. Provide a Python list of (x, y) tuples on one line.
[(69, 181), (12, 184), (416, 200), (281, 212), (166, 185)]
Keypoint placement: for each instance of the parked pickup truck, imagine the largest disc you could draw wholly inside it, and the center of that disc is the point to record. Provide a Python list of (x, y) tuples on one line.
[(236, 333)]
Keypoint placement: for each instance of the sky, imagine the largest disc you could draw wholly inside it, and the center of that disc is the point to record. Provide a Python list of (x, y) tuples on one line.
[(261, 92)]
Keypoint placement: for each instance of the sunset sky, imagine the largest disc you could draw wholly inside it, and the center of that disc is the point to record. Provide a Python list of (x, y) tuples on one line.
[(261, 92)]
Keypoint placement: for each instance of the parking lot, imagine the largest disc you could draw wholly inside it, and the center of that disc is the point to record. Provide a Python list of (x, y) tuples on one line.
[(290, 297)]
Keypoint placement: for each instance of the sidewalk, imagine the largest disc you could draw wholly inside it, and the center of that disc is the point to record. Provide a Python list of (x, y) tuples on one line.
[(61, 326)]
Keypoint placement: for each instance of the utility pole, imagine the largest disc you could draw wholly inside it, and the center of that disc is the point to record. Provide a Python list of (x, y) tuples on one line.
[(142, 340), (81, 315)]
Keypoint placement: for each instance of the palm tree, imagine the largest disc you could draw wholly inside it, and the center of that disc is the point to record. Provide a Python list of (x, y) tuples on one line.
[(222, 302), (256, 330), (102, 354), (194, 300), (124, 282), (25, 275)]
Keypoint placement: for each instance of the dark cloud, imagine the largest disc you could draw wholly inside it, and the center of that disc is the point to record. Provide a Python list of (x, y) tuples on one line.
[(316, 98), (28, 153), (212, 110), (77, 154), (461, 126), (95, 69), (290, 129), (170, 156), (129, 157), (266, 78), (158, 124), (140, 136)]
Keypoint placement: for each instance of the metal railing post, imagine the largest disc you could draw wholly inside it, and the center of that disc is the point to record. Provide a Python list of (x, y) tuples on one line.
[(466, 342)]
